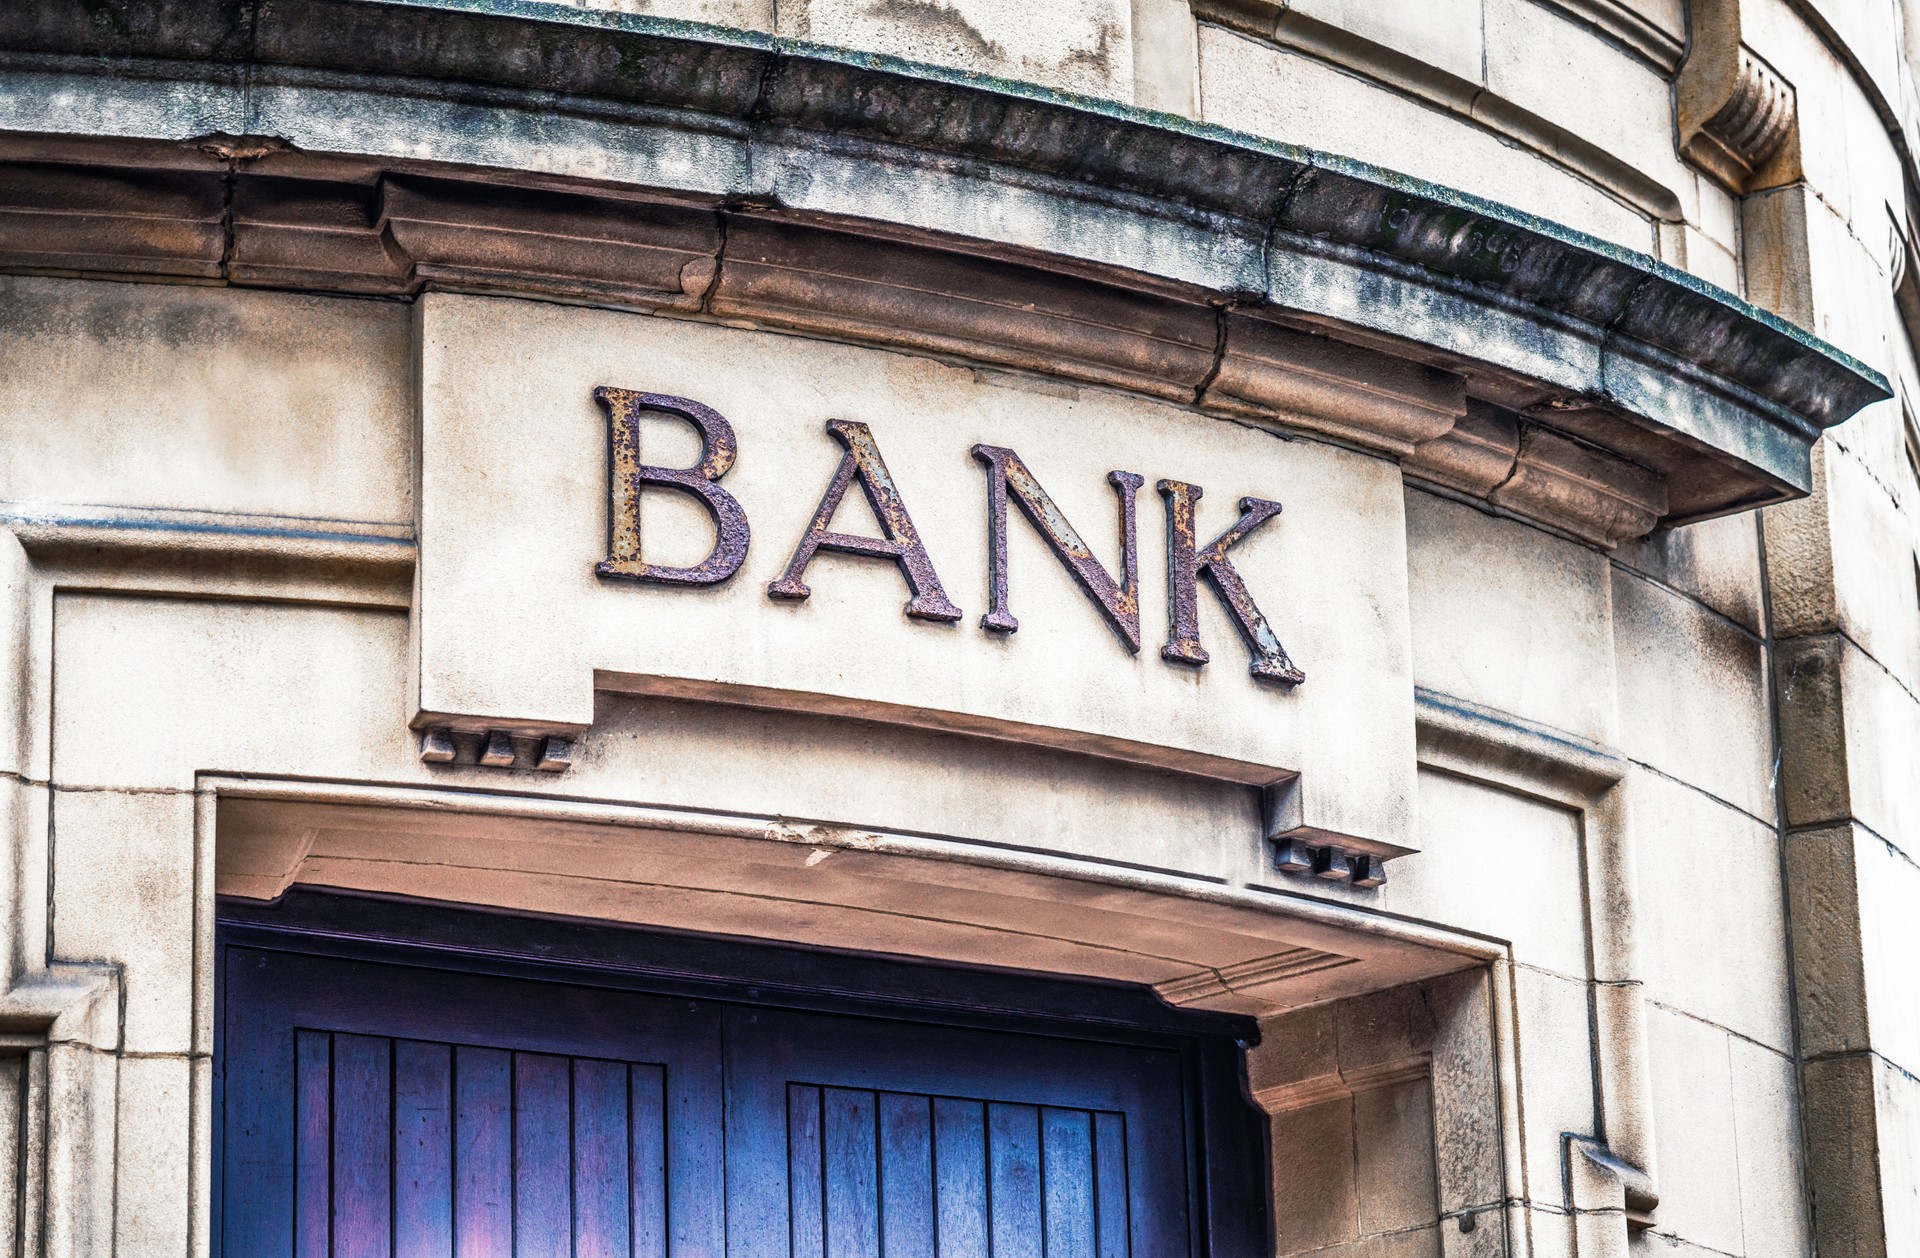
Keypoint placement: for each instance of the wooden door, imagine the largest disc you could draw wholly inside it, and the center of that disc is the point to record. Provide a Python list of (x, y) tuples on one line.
[(381, 1110), (858, 1138)]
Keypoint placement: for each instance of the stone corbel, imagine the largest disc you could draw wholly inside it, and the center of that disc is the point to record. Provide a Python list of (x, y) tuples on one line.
[(1737, 116), (60, 1028), (1322, 385), (1603, 1192), (1545, 475)]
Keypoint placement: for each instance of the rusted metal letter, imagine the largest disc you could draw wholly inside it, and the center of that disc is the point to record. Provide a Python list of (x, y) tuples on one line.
[(862, 462), (1186, 562), (1120, 604), (717, 452)]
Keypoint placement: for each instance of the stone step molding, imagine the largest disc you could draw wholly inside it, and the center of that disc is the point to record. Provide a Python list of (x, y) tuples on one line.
[(752, 179)]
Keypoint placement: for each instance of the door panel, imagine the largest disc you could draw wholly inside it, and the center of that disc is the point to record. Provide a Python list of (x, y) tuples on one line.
[(843, 1133), (913, 1176), (376, 1110)]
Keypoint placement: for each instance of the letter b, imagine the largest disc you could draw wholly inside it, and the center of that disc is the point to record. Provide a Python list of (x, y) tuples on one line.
[(717, 452)]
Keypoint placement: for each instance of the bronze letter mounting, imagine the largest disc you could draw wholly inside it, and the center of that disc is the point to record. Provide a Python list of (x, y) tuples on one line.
[(1185, 564), (717, 451), (862, 461), (1119, 604)]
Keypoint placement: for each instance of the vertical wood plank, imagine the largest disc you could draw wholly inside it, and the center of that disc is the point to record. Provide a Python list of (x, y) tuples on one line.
[(1066, 1165), (422, 1150), (960, 1177), (648, 1158), (851, 1162), (906, 1176), (806, 1193), (483, 1153), (312, 1144), (1113, 1228), (1013, 1180), (542, 1156), (362, 1146), (600, 1150)]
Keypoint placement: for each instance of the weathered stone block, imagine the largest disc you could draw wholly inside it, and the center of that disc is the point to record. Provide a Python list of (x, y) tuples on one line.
[(123, 891), (1853, 737), (154, 1159), (1712, 921), (1501, 864), (1508, 617), (1445, 35), (1258, 88), (1715, 561), (1565, 73), (226, 676), (1078, 45), (1693, 699), (1829, 965), (1766, 1115), (1555, 1059), (205, 400), (1695, 1130)]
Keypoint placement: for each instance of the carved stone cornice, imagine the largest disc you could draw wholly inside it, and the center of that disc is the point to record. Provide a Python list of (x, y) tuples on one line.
[(368, 146)]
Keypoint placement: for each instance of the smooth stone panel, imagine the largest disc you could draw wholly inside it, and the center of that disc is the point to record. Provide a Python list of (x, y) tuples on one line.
[(1715, 561), (514, 627), (1712, 929), (1257, 88), (203, 399), (1507, 616), (1766, 1116), (1555, 1059), (1445, 34), (1077, 45), (153, 1183), (260, 688), (1693, 695), (1500, 864), (1694, 1131), (123, 891)]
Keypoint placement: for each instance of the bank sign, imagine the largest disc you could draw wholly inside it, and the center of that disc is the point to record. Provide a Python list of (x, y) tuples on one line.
[(1008, 482), (626, 505)]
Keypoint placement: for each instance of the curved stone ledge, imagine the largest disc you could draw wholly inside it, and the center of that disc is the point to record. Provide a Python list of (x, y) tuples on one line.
[(383, 146)]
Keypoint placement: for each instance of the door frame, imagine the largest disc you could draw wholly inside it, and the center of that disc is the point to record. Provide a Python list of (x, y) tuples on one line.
[(1229, 1175)]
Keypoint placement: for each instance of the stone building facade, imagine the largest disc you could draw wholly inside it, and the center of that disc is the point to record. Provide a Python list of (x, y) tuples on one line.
[(702, 553)]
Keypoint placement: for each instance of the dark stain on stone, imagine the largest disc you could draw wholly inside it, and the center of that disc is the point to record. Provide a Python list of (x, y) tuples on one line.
[(936, 19), (1098, 58)]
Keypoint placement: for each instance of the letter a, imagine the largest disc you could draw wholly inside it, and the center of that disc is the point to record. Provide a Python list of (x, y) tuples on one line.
[(1186, 563), (862, 462), (717, 451), (1120, 604)]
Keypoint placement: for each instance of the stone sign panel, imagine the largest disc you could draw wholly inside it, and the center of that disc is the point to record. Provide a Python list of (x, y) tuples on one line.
[(630, 503)]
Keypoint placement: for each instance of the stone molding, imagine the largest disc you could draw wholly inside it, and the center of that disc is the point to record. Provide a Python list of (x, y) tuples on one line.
[(747, 178), (1611, 1185), (62, 1023), (1618, 22)]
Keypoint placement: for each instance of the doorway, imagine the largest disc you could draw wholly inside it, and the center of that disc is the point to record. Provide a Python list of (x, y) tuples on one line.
[(407, 1079)]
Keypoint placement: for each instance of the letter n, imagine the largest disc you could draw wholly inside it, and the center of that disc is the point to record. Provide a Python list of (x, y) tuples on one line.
[(1008, 476)]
